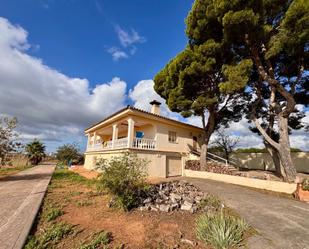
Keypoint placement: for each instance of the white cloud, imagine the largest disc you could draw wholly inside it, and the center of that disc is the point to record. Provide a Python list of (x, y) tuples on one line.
[(128, 41), (128, 38), (143, 93), (117, 53), (49, 104)]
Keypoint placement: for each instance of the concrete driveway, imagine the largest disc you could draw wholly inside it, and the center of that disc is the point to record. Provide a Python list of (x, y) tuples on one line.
[(280, 222), (20, 199)]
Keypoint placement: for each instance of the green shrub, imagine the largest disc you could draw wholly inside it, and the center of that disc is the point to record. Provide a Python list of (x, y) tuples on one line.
[(305, 184), (220, 230), (124, 177), (69, 153), (100, 239)]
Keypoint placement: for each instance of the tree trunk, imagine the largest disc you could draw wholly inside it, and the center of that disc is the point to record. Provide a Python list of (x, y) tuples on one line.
[(285, 150), (276, 160), (208, 130), (227, 156), (203, 157), (283, 146), (203, 162)]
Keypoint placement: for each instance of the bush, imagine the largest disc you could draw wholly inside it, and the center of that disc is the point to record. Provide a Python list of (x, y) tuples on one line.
[(220, 230), (69, 153), (305, 184), (124, 177)]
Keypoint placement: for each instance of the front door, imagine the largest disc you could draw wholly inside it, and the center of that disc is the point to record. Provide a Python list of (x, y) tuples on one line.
[(174, 166)]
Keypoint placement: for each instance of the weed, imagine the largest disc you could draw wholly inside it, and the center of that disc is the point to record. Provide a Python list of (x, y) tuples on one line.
[(84, 203), (53, 213), (94, 194), (100, 239), (50, 237), (32, 242), (75, 193), (221, 230), (210, 201)]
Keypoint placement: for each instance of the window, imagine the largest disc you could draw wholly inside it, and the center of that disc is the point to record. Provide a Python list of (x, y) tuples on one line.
[(172, 137)]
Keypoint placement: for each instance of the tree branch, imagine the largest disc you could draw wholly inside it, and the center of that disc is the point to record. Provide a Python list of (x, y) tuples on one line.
[(290, 106), (264, 134)]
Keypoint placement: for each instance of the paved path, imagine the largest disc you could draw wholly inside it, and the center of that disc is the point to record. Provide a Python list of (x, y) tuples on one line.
[(20, 199), (282, 223)]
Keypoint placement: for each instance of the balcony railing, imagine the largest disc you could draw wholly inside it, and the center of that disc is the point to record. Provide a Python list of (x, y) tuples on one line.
[(144, 143), (137, 143)]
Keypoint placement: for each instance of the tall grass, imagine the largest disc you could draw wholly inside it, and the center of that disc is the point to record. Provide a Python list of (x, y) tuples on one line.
[(220, 230)]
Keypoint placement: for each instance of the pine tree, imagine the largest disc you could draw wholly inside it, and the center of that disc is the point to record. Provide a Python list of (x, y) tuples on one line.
[(273, 35), (198, 81)]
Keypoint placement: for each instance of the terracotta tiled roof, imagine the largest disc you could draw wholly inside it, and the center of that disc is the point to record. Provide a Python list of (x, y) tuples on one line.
[(129, 107)]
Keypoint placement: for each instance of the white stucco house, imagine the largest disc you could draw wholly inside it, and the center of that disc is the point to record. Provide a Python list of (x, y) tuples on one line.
[(164, 142)]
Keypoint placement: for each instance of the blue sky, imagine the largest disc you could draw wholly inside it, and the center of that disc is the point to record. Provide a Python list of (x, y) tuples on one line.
[(66, 64), (74, 36), (73, 62)]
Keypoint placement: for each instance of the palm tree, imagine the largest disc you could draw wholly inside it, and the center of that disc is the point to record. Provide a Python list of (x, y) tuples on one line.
[(35, 151)]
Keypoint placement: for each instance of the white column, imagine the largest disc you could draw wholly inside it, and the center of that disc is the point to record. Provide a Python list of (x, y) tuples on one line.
[(88, 140), (115, 134), (130, 132), (94, 138)]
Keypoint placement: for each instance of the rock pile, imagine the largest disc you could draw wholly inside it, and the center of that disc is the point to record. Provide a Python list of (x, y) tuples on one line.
[(170, 196), (213, 167)]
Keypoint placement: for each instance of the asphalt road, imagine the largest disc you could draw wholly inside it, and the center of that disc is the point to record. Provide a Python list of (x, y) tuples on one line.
[(280, 222)]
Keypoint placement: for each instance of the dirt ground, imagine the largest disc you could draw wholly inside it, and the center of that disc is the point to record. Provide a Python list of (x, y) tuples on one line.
[(89, 174), (89, 212)]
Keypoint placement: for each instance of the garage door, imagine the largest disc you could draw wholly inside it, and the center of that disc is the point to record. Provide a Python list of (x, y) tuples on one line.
[(173, 166)]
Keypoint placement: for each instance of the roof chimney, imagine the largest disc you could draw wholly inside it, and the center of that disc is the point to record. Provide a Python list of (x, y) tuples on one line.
[(155, 107)]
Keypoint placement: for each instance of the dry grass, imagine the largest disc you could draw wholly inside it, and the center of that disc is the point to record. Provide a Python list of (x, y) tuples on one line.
[(11, 170)]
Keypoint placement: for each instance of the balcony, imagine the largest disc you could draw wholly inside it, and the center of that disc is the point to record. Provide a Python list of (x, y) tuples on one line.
[(122, 143)]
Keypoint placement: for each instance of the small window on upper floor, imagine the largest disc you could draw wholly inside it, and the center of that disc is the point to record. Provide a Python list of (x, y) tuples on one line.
[(172, 137)]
